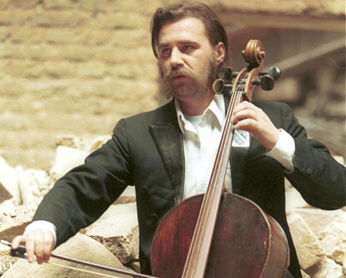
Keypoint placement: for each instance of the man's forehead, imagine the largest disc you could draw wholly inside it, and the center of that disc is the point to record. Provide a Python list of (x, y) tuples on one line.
[(184, 29)]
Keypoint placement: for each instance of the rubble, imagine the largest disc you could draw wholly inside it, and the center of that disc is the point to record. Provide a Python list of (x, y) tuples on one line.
[(79, 247), (117, 229), (319, 235)]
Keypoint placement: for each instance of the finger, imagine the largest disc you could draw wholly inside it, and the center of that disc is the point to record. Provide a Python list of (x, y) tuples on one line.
[(246, 125), (48, 246), (39, 249), (18, 240), (243, 105), (244, 114), (30, 248)]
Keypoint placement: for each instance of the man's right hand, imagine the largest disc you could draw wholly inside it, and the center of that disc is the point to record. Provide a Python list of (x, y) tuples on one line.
[(39, 243)]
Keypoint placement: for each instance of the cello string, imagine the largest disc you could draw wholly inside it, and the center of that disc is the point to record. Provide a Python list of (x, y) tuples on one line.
[(208, 208)]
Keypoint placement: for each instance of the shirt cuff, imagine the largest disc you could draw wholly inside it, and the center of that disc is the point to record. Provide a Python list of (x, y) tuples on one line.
[(283, 151), (41, 224)]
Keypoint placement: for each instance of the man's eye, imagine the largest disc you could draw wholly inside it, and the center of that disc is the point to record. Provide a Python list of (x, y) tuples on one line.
[(188, 47), (165, 51)]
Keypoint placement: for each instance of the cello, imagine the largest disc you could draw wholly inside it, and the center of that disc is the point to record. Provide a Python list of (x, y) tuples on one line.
[(220, 234)]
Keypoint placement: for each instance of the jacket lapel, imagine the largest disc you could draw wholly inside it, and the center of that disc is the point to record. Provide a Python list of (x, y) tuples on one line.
[(169, 142)]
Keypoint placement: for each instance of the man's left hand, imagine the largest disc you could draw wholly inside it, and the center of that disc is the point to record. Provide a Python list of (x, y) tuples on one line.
[(250, 118)]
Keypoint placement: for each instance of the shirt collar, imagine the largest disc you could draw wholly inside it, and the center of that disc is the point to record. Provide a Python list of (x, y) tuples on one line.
[(216, 109)]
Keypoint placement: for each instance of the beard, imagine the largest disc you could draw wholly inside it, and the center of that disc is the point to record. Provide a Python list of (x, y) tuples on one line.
[(167, 88)]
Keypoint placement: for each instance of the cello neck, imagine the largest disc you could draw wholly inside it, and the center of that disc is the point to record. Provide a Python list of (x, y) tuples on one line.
[(197, 258)]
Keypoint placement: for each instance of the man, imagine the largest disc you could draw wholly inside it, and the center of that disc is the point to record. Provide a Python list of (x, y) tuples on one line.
[(168, 153)]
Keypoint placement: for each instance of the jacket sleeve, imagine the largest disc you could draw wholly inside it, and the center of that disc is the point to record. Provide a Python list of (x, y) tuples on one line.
[(317, 175), (81, 196)]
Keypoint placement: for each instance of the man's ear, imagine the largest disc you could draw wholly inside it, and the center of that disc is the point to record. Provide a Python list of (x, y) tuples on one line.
[(220, 53)]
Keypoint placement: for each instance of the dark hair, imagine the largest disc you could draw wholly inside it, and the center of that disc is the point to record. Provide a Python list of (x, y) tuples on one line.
[(216, 32)]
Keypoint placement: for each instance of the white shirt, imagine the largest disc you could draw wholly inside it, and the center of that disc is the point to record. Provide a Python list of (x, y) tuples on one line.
[(201, 141)]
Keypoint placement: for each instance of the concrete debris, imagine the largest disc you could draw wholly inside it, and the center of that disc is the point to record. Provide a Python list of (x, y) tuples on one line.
[(113, 239)]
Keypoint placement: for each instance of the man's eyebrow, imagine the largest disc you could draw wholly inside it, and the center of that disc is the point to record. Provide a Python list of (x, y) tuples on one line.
[(189, 42), (163, 45), (180, 42)]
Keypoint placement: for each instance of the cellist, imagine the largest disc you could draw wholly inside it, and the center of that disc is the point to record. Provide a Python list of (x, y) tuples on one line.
[(168, 153)]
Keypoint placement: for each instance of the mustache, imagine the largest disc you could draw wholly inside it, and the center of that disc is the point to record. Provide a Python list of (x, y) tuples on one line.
[(171, 73), (166, 81)]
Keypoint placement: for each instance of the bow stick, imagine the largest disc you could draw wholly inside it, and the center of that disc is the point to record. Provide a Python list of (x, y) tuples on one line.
[(20, 253)]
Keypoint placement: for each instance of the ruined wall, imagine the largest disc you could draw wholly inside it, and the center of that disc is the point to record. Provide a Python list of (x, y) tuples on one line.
[(70, 67), (77, 66)]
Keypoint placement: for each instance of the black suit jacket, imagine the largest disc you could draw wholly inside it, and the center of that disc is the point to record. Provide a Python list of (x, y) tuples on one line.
[(146, 151)]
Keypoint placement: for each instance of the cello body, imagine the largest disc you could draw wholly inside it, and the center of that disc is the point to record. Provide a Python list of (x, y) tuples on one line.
[(246, 243)]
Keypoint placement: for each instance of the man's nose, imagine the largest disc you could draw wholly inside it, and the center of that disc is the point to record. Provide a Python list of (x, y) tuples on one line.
[(176, 58)]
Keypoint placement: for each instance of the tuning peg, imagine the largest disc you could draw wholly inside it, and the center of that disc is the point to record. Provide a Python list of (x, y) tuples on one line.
[(218, 86), (274, 72), (266, 82), (227, 74)]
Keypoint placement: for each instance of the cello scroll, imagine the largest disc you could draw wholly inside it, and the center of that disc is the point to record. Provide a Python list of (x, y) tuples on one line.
[(251, 76)]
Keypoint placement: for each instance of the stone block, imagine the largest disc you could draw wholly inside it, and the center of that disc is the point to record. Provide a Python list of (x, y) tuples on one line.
[(91, 37), (95, 5), (54, 18), (4, 194), (25, 35), (73, 141), (122, 20), (27, 4), (117, 229), (333, 241), (97, 142), (128, 196), (326, 269), (3, 4), (130, 38), (15, 224), (4, 33), (33, 185), (8, 179), (61, 36), (318, 219), (66, 158), (91, 70), (308, 247), (145, 7), (56, 69), (23, 69), (294, 200), (58, 4)]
